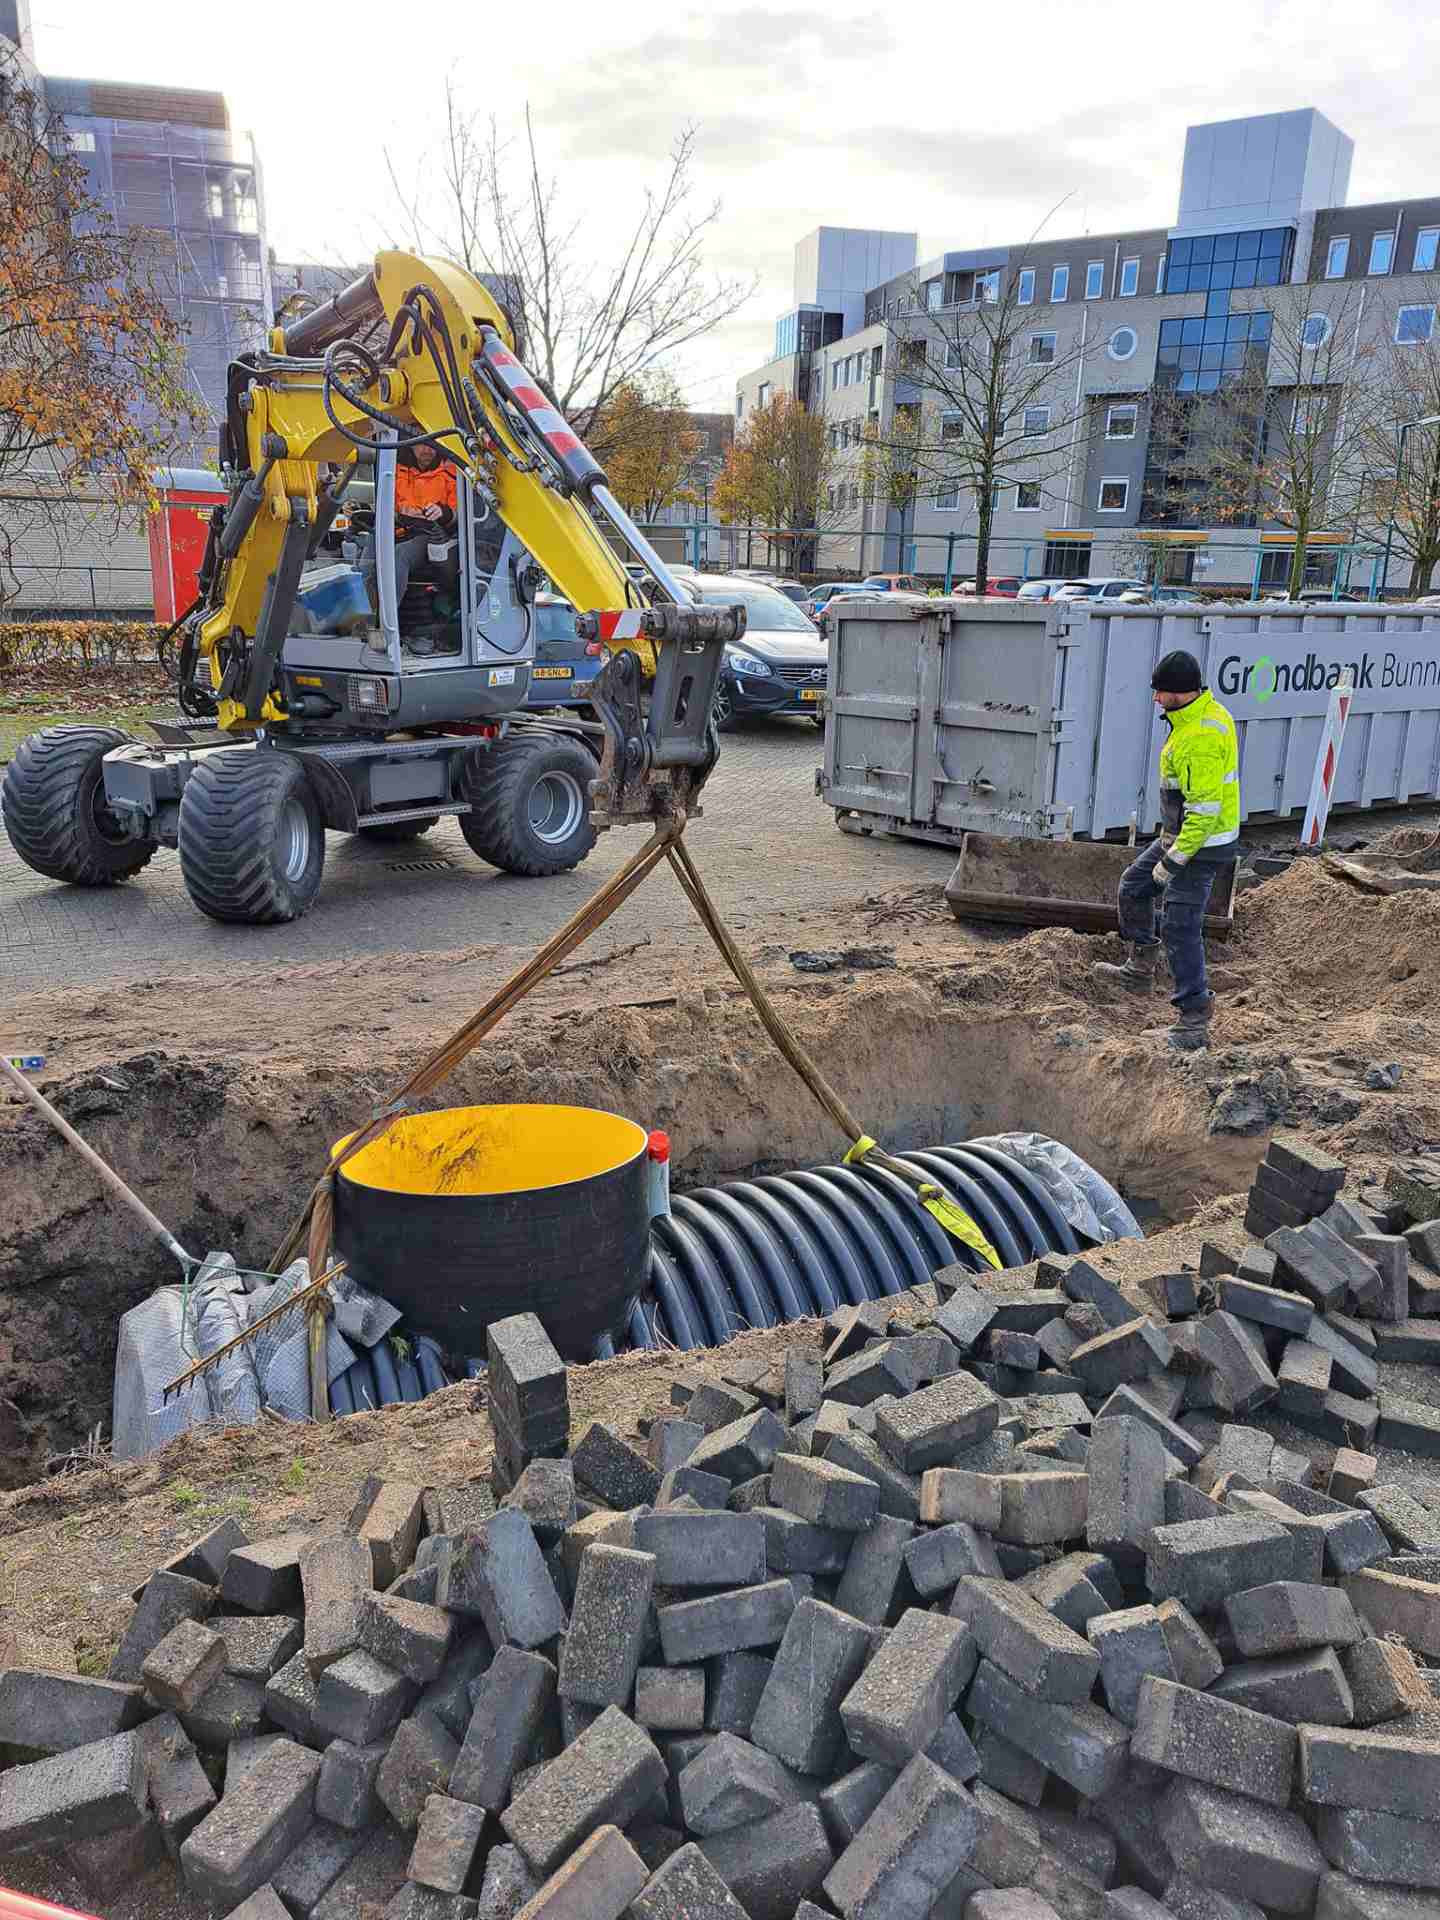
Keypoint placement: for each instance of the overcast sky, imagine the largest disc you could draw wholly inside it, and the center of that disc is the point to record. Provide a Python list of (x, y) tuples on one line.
[(966, 123)]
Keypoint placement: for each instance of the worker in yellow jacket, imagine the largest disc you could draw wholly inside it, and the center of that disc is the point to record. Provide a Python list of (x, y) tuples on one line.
[(1199, 838)]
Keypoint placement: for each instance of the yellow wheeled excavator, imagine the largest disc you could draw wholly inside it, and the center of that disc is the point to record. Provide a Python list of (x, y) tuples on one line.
[(353, 707)]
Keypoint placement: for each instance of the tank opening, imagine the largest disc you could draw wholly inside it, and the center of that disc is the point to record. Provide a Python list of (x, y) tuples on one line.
[(503, 1149)]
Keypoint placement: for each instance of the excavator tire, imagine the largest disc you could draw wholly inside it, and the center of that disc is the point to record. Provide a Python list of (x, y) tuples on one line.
[(393, 831), (252, 842), (529, 800), (55, 813)]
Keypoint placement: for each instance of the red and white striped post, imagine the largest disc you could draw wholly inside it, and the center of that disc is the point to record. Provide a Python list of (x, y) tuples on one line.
[(20, 1906), (1327, 761)]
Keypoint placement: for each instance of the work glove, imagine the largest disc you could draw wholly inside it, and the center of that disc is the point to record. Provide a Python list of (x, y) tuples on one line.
[(1162, 874)]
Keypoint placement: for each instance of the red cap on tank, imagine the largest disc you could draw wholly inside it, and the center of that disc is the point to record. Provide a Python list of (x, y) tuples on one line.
[(659, 1145)]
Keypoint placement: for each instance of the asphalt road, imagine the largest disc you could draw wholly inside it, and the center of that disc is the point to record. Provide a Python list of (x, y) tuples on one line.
[(765, 843)]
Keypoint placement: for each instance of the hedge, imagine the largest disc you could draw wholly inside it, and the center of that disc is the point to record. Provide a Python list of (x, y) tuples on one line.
[(90, 643)]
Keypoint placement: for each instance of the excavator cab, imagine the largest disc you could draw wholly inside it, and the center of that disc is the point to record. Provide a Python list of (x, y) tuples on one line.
[(342, 712)]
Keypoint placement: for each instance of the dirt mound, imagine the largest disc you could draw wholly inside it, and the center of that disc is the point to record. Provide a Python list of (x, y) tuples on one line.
[(1344, 950)]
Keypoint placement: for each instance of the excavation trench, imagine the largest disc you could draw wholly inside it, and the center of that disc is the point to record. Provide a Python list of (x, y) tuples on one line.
[(225, 1152)]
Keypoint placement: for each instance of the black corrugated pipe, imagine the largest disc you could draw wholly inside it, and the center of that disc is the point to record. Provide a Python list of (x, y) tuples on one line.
[(756, 1253)]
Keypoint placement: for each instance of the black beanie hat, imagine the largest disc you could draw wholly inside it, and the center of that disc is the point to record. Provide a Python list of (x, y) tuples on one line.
[(1178, 672)]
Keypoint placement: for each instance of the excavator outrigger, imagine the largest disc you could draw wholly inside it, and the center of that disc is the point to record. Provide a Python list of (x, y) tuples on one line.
[(344, 720)]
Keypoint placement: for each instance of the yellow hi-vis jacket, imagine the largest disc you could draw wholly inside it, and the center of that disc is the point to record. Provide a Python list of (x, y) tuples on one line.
[(1199, 784)]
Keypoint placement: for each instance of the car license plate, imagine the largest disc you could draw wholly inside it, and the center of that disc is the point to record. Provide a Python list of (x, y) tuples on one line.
[(812, 693)]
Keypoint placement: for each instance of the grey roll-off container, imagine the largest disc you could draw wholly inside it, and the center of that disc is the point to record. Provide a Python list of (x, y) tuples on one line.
[(946, 717)]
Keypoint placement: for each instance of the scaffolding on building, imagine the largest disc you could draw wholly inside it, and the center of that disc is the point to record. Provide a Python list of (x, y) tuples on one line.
[(166, 161)]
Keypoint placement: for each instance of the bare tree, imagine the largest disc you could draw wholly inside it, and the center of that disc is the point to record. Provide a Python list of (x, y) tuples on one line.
[(1276, 441), (1396, 474), (997, 401), (590, 325)]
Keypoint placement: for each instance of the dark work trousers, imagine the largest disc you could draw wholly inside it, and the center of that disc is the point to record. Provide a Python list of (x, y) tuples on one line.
[(1182, 920)]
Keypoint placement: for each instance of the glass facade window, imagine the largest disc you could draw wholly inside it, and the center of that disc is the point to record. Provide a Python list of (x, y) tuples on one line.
[(1094, 279), (1427, 245), (1414, 326), (1337, 258), (1275, 564), (1129, 279), (1066, 560), (1382, 252), (1195, 355), (1213, 262), (1060, 284), (1025, 291)]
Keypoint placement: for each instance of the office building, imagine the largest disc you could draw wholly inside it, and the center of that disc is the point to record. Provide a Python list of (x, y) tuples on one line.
[(1142, 327)]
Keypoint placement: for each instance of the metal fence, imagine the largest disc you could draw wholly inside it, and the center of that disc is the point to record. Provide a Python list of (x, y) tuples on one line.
[(64, 592), (1210, 565)]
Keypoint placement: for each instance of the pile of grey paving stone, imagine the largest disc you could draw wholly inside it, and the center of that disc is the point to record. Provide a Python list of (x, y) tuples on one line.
[(1014, 1613)]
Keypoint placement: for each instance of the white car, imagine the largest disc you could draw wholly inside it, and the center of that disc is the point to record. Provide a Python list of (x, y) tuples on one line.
[(1103, 587)]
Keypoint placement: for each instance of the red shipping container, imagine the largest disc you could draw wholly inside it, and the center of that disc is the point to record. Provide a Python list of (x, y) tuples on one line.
[(177, 535)]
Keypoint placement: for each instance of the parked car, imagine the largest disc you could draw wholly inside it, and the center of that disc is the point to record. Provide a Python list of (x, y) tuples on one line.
[(998, 586), (892, 583), (846, 591), (1160, 597), (794, 591), (779, 666), (1039, 589), (1102, 587)]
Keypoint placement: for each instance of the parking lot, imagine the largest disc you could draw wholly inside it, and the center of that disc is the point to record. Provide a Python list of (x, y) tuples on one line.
[(765, 843)]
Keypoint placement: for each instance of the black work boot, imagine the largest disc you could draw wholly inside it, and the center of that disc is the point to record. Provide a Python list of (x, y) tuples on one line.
[(1191, 1031), (1136, 971)]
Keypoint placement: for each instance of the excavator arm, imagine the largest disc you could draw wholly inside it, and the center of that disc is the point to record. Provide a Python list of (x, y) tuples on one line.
[(420, 349)]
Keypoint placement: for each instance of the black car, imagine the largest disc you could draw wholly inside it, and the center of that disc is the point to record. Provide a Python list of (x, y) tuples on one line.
[(778, 667)]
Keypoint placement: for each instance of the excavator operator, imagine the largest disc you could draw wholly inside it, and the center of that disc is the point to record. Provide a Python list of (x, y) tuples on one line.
[(425, 491)]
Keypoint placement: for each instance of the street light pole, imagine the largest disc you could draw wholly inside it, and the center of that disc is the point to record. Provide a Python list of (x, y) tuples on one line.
[(1429, 420)]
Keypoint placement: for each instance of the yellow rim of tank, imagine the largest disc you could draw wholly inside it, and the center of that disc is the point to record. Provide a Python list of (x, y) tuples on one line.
[(462, 1151)]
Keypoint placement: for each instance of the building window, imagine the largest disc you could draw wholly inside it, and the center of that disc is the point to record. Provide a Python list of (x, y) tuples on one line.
[(1037, 421), (952, 427), (1275, 564), (1382, 252), (1066, 560), (1060, 284), (1094, 279), (1122, 343), (1025, 292), (1114, 496), (947, 499), (762, 397), (1129, 279), (1414, 326), (835, 367), (934, 291), (1213, 262), (1200, 354), (1160, 275), (987, 288), (1042, 349), (952, 355), (1337, 258), (1027, 496), (739, 405), (877, 361), (1314, 330), (1427, 246), (1120, 423)]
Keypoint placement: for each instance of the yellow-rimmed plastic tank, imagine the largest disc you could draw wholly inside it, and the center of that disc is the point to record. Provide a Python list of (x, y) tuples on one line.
[(468, 1214)]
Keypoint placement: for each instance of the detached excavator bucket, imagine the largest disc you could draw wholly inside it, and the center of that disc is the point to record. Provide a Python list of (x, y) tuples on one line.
[(1056, 883)]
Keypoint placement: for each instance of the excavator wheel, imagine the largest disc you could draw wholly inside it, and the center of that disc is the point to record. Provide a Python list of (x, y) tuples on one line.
[(252, 842), (529, 800), (55, 812), (391, 832)]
